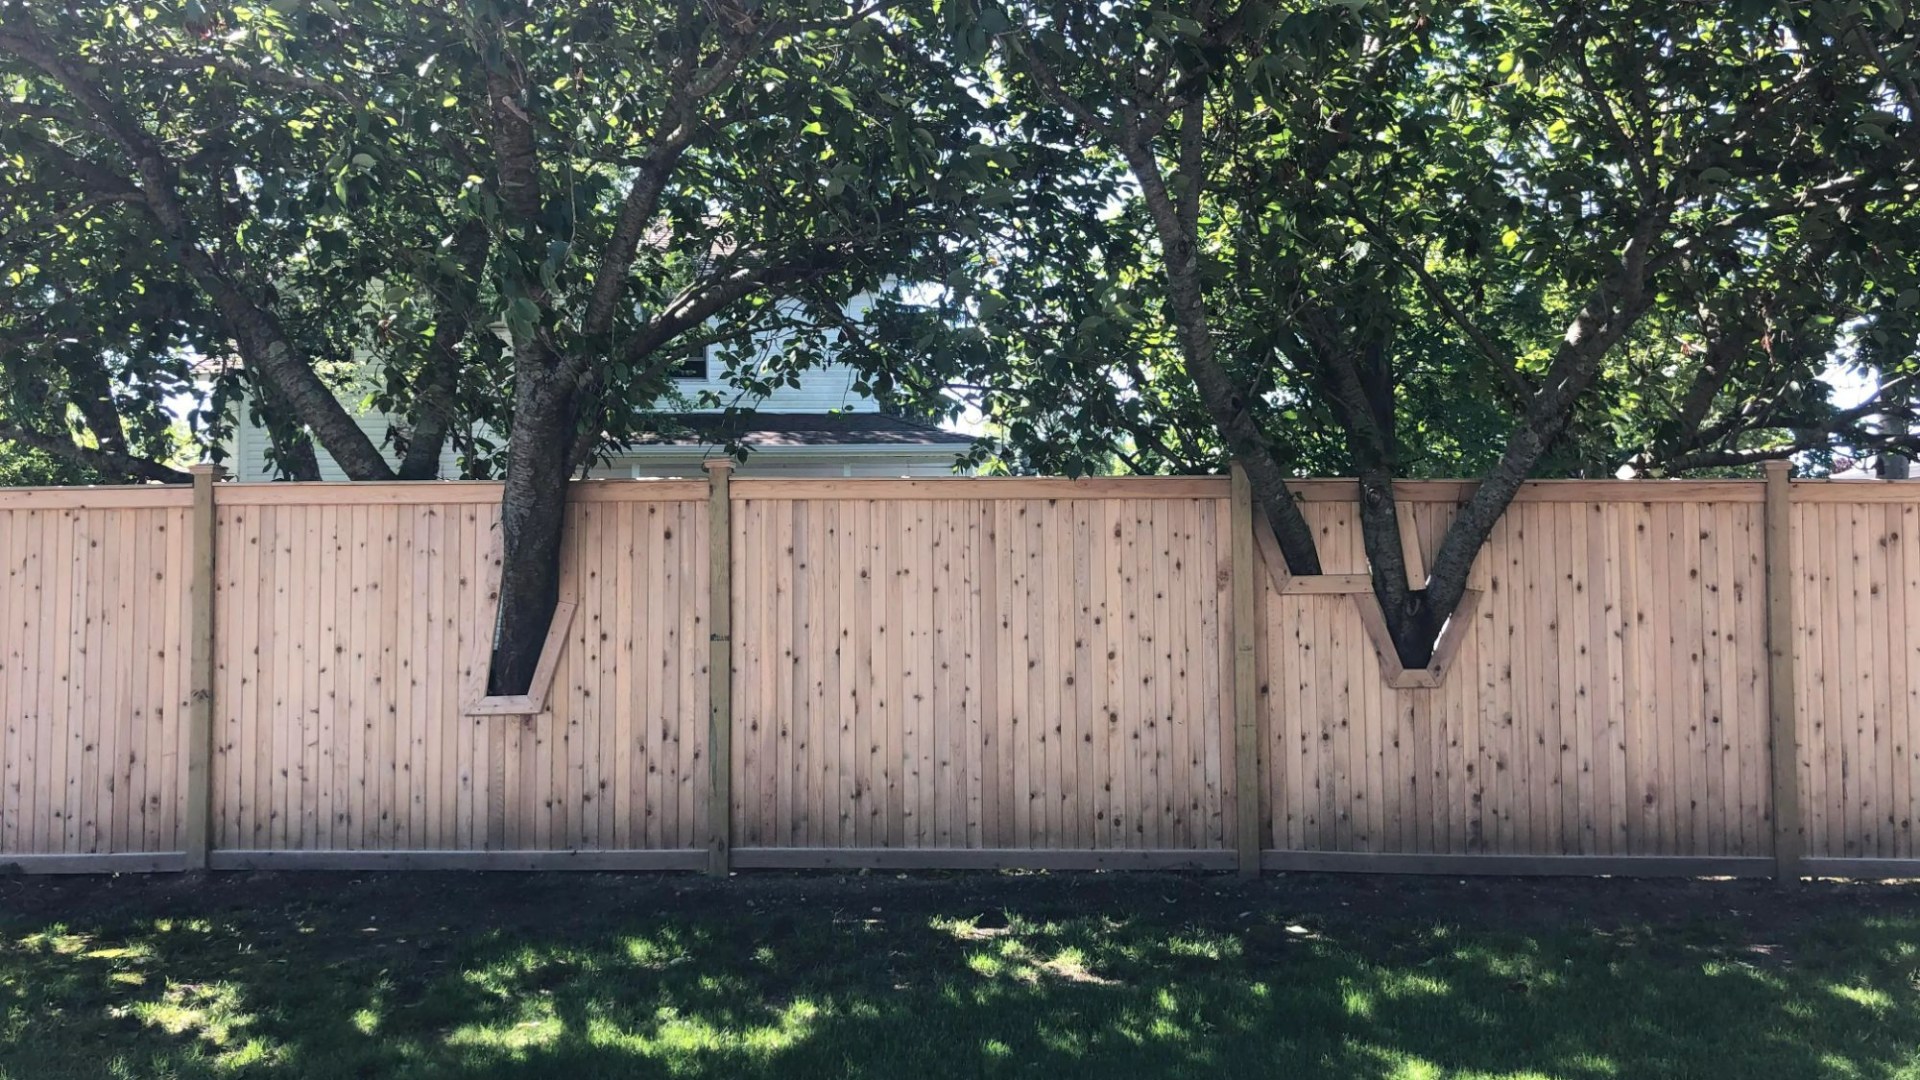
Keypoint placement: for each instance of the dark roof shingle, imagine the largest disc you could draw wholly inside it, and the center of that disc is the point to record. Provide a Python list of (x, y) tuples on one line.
[(763, 430)]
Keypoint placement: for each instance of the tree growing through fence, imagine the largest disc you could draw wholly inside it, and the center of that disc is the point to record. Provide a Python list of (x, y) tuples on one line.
[(1383, 239), (521, 214)]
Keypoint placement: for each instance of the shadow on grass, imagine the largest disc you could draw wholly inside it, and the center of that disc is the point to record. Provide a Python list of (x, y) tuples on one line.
[(594, 983)]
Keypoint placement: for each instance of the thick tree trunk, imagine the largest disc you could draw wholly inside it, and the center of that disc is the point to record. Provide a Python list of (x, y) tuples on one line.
[(532, 525)]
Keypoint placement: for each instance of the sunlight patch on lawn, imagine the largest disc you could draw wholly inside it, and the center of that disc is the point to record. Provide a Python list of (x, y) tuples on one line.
[(679, 1036), (1866, 997), (538, 1026), (215, 1015)]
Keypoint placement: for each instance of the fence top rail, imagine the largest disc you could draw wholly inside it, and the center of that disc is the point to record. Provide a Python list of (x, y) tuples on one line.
[(133, 497), (984, 487), (447, 493)]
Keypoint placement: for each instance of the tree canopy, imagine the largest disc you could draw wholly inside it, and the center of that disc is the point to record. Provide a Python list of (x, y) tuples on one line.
[(1378, 239)]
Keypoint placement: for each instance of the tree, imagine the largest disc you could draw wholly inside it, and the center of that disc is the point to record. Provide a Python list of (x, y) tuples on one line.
[(1619, 233), (519, 212)]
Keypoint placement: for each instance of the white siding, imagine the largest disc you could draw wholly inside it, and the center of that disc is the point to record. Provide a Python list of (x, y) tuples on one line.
[(821, 389), (248, 450)]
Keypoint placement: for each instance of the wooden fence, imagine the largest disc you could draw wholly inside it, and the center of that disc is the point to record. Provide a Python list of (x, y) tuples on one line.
[(1649, 677)]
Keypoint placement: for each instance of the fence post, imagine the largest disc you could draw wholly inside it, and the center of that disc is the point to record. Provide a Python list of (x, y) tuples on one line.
[(1246, 725), (1784, 742), (199, 781), (719, 668)]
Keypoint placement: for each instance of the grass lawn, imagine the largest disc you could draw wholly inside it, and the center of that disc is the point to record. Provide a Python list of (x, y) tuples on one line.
[(1096, 975)]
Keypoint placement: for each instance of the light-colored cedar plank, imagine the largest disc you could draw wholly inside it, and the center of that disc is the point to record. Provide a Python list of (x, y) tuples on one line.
[(990, 651), (48, 572), (36, 501), (435, 670), (303, 758), (763, 617), (1713, 743), (166, 763), (100, 690), (1871, 663), (1849, 720), (128, 659), (806, 674), (1246, 746), (970, 552), (626, 717), (1823, 706), (1023, 488), (269, 722), (1576, 724), (910, 792), (1886, 814), (1510, 726), (1692, 699), (71, 634), (1166, 664), (833, 730), (1076, 739), (1752, 655), (751, 708), (898, 543), (1027, 713), (953, 618), (864, 633), (1603, 679), (785, 723), (478, 562), (1182, 758), (1901, 677), (1910, 662), (692, 740), (328, 573), (16, 721), (1224, 688), (1132, 797)]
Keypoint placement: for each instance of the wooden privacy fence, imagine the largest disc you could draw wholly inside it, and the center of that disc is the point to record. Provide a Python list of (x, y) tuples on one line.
[(1650, 677)]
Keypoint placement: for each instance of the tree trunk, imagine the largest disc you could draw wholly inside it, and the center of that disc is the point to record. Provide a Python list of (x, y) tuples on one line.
[(434, 404), (532, 523), (1221, 394), (1894, 465)]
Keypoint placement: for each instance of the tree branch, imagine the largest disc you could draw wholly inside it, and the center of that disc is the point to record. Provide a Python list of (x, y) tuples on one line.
[(113, 465)]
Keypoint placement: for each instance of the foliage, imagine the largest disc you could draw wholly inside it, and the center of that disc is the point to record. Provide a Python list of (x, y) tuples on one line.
[(1451, 185)]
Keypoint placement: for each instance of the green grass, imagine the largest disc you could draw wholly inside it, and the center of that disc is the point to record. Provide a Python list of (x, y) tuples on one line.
[(878, 976)]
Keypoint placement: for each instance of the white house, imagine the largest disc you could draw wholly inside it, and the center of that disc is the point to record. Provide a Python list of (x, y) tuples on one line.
[(823, 427)]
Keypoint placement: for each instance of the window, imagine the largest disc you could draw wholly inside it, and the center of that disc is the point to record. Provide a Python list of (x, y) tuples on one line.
[(690, 362)]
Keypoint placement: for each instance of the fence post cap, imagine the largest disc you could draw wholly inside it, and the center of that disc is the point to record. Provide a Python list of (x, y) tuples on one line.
[(1777, 468), (208, 468), (717, 465)]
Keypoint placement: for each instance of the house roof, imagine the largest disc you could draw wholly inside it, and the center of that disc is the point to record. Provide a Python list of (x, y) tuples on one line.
[(768, 430)]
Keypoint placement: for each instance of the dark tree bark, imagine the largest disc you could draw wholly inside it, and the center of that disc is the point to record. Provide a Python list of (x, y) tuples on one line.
[(1176, 224), (112, 465), (435, 407)]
